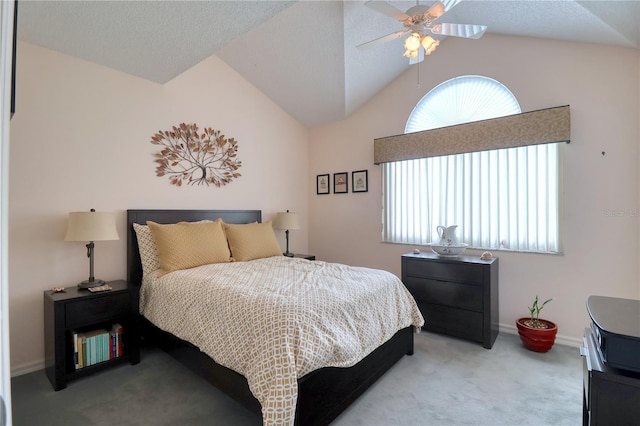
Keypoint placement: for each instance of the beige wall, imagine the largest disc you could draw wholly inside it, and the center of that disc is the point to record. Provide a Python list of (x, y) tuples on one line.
[(80, 140), (601, 84)]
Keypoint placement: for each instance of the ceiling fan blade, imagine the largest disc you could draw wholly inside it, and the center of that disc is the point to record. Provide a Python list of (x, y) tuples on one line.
[(458, 30), (382, 39), (449, 4), (386, 9), (438, 9)]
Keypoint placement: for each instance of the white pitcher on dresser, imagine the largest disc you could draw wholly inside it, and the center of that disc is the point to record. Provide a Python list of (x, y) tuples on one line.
[(447, 235)]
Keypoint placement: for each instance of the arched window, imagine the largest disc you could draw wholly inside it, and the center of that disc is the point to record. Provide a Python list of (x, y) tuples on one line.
[(500, 199)]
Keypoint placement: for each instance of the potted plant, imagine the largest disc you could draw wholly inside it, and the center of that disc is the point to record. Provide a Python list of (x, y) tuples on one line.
[(537, 334)]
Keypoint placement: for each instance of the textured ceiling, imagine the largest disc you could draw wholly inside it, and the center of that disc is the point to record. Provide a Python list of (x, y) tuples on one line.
[(301, 54)]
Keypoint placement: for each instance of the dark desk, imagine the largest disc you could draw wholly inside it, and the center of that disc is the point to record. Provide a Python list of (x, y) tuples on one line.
[(611, 396)]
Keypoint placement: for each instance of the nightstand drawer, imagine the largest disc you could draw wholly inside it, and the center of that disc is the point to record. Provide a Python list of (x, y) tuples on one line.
[(460, 272), (93, 311), (446, 293)]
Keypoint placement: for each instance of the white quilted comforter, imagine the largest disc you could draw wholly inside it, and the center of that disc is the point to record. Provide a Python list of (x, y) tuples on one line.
[(274, 320)]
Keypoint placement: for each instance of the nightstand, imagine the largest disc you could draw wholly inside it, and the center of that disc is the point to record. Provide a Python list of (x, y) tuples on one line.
[(80, 310), (305, 256)]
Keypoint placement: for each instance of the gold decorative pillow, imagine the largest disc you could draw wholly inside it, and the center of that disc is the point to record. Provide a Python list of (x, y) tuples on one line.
[(252, 241), (186, 245)]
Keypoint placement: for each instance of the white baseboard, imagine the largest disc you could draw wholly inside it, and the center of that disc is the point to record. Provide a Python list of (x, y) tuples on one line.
[(560, 338), (27, 368)]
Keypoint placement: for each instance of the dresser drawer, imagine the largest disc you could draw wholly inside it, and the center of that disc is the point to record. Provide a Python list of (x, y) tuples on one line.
[(452, 294), (454, 322), (93, 311), (444, 271)]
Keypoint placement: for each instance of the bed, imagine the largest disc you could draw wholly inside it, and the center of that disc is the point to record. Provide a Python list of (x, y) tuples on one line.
[(320, 394)]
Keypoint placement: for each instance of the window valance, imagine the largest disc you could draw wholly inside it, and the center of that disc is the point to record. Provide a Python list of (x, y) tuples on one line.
[(549, 125)]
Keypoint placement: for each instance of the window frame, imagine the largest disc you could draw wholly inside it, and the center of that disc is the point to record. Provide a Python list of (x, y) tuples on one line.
[(387, 216)]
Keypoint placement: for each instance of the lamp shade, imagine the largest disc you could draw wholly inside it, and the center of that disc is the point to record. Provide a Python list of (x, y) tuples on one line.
[(91, 226), (287, 220)]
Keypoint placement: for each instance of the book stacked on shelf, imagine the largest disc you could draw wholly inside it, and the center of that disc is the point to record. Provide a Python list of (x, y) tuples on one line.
[(95, 346)]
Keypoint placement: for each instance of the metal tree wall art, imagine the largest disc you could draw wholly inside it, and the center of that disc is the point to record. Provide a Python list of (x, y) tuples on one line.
[(196, 158)]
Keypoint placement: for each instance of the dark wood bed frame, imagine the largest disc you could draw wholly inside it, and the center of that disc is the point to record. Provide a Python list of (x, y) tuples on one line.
[(322, 394)]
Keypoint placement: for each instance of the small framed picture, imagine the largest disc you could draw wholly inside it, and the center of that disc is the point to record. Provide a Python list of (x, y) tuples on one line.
[(360, 181), (322, 184), (340, 183)]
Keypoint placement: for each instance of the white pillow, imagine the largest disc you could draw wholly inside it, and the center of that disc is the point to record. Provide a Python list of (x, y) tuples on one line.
[(147, 248)]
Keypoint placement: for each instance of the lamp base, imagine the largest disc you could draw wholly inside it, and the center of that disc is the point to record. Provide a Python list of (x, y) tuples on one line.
[(288, 254), (89, 284)]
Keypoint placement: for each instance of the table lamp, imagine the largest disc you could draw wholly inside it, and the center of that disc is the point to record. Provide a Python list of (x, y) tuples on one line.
[(91, 226), (287, 220)]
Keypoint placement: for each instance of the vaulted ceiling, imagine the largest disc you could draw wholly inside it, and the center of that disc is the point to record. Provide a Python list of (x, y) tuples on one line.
[(302, 54)]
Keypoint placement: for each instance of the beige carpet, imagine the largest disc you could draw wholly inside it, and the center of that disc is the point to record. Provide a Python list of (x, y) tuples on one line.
[(454, 382), (446, 382)]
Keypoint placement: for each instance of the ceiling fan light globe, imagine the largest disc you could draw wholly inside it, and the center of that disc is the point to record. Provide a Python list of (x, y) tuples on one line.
[(412, 42), (411, 54), (431, 50), (429, 44)]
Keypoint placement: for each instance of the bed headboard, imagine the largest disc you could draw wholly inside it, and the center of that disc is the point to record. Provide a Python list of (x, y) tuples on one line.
[(134, 266)]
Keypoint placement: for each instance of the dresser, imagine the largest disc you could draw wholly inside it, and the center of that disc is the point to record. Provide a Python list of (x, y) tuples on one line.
[(457, 296)]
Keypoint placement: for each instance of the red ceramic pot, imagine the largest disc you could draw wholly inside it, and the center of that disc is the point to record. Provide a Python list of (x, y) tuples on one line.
[(537, 339)]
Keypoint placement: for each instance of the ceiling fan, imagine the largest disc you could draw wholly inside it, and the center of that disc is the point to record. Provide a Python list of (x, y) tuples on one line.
[(419, 22)]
